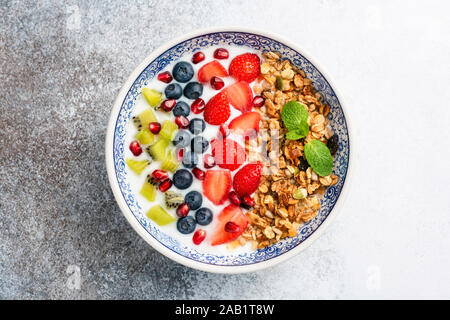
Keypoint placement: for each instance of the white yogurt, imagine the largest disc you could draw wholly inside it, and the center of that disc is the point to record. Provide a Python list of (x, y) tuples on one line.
[(210, 132)]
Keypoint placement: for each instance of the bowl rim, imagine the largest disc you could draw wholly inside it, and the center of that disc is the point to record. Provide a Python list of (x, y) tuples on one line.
[(231, 269)]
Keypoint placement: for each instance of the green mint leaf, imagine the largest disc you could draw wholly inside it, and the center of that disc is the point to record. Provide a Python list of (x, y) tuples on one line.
[(319, 157), (299, 133), (294, 116), (294, 135), (303, 128)]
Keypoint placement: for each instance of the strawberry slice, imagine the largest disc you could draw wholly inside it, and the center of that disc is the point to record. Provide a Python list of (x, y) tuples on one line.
[(217, 185), (230, 213), (246, 180), (211, 69), (228, 153), (241, 96), (217, 110), (245, 67), (246, 124)]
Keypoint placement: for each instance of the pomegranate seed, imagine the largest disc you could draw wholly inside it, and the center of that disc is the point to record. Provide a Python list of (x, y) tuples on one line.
[(221, 53), (154, 127), (182, 122), (180, 154), (135, 148), (234, 198), (168, 105), (160, 175), (223, 130), (182, 210), (165, 77), (217, 83), (198, 106), (165, 185), (198, 57), (232, 227), (199, 236), (208, 161), (248, 201), (198, 173), (258, 101)]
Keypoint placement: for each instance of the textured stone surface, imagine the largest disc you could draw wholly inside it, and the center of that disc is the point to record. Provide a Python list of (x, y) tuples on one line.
[(61, 68)]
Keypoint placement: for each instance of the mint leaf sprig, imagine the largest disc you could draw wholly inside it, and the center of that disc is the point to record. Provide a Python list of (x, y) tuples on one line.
[(295, 118)]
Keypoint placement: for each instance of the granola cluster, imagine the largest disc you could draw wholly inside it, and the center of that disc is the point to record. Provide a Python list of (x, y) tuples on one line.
[(289, 191)]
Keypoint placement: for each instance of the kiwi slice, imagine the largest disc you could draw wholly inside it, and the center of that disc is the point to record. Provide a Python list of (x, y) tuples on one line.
[(152, 96), (158, 150), (173, 199), (142, 120), (152, 181), (148, 190), (137, 165), (168, 130), (170, 163), (145, 136), (159, 215)]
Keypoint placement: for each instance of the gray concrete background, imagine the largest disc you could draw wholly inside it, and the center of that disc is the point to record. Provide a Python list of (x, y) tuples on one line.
[(61, 68)]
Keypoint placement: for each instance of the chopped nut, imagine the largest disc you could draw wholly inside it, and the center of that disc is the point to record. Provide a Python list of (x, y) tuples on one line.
[(326, 181), (291, 169), (269, 214), (277, 231), (268, 232), (265, 68), (263, 188), (283, 212), (298, 81), (287, 74)]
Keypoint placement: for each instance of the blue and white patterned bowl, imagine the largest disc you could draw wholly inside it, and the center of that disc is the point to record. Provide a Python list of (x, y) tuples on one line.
[(125, 197)]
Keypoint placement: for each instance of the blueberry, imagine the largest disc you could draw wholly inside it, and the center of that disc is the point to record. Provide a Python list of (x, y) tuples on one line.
[(333, 144), (186, 225), (303, 164), (203, 216), (193, 90), (197, 125), (181, 109), (194, 199), (182, 139), (190, 159), (183, 71), (182, 179), (199, 144), (173, 91)]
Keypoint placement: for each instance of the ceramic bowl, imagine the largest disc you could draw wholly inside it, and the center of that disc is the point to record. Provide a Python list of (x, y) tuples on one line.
[(190, 256)]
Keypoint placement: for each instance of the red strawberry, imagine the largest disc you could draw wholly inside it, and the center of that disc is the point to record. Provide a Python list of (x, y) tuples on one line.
[(228, 153), (216, 185), (245, 67), (246, 124), (217, 110), (240, 95), (247, 179), (211, 69), (233, 214)]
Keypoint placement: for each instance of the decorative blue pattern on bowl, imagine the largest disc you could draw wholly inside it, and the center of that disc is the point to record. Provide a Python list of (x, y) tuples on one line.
[(262, 44)]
